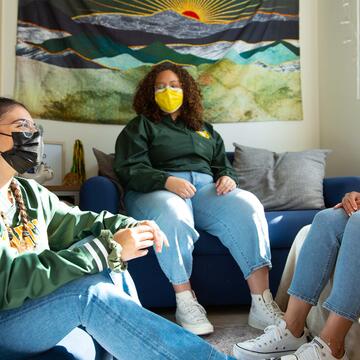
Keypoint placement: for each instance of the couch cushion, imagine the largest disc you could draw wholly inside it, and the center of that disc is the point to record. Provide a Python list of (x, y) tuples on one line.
[(282, 181), (105, 165), (283, 226)]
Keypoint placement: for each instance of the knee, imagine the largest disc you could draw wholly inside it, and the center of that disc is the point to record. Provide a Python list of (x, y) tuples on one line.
[(172, 211), (330, 218), (248, 203), (354, 219)]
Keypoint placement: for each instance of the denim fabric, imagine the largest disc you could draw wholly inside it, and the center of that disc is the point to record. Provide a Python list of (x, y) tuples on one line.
[(236, 218), (114, 318), (332, 246)]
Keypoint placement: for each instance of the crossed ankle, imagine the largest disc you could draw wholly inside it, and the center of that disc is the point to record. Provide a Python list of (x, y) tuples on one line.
[(295, 327), (337, 348)]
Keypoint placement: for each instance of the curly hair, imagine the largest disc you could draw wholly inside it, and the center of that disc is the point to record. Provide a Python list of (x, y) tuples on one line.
[(191, 110)]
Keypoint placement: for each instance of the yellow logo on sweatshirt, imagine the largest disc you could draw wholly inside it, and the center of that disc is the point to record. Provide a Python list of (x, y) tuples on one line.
[(204, 133), (17, 232)]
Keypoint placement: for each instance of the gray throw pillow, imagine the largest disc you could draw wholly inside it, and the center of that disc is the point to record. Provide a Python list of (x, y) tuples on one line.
[(282, 181), (105, 166)]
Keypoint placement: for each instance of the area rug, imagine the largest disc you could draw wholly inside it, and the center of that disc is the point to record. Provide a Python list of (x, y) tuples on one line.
[(224, 337)]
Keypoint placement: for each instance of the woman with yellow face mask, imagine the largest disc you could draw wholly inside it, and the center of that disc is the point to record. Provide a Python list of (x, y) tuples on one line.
[(175, 171)]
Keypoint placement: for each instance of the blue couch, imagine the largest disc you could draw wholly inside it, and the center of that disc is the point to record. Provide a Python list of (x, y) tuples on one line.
[(216, 278)]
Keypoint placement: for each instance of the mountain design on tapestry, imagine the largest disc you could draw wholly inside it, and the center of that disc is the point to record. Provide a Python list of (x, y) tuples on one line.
[(120, 40), (107, 39)]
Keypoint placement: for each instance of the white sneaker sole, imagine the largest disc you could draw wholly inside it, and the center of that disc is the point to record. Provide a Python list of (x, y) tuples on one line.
[(243, 354), (199, 329)]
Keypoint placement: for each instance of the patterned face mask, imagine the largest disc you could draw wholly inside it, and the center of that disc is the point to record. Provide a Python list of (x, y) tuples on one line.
[(169, 99), (26, 152)]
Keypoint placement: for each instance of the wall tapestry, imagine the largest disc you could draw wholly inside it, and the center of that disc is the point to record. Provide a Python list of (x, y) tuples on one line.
[(80, 60)]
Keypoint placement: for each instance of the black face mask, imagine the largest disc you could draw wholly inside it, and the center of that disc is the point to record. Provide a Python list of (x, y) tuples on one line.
[(27, 151)]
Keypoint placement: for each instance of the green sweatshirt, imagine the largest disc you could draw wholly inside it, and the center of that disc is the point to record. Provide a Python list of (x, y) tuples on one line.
[(145, 152), (55, 226)]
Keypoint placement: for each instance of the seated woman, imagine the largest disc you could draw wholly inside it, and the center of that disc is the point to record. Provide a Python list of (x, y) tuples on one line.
[(50, 284), (331, 247), (176, 172)]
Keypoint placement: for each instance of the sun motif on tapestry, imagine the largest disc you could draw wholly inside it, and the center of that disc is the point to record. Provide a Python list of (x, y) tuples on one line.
[(81, 60), (207, 11)]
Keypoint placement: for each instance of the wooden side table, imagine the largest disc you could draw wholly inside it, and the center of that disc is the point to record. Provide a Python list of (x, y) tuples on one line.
[(67, 193)]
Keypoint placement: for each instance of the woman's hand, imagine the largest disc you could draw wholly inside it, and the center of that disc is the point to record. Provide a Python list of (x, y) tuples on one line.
[(224, 184), (136, 240), (350, 202), (181, 187)]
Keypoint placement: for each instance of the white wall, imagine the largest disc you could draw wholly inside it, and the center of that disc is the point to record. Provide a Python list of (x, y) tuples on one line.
[(339, 108), (278, 136)]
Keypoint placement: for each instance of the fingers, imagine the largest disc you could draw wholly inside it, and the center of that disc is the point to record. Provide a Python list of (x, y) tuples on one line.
[(352, 201), (159, 238), (338, 206), (181, 187), (144, 244), (187, 191), (165, 239), (147, 235), (145, 226), (192, 187), (349, 203), (348, 208), (224, 185)]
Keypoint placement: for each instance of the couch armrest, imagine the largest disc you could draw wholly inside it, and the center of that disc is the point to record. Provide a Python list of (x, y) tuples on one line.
[(99, 193), (336, 187)]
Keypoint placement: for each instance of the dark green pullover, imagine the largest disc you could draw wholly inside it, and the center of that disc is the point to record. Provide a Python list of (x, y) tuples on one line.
[(146, 152), (54, 227)]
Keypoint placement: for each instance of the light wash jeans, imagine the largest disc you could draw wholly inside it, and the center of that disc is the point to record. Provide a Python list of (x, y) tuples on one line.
[(114, 318), (236, 218), (332, 244)]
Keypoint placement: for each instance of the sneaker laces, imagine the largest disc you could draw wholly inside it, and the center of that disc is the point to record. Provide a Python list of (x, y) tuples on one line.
[(274, 309), (272, 333), (193, 308)]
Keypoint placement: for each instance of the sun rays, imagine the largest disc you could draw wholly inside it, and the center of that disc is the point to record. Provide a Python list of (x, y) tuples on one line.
[(207, 11)]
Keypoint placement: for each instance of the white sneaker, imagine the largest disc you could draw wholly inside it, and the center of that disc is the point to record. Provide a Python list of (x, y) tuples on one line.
[(276, 341), (316, 350), (191, 315), (264, 311)]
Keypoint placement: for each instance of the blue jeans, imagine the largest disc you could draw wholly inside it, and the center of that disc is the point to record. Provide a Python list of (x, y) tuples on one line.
[(114, 318), (236, 218), (331, 246)]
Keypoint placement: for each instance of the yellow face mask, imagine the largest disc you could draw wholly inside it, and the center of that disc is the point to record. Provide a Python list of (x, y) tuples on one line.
[(169, 99)]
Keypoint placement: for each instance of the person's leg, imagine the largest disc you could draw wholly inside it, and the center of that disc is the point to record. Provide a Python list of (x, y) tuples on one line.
[(343, 302), (117, 323), (334, 333), (315, 265), (238, 220), (174, 217)]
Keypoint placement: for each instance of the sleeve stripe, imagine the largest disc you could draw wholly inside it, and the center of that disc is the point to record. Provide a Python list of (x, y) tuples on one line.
[(132, 224), (102, 248), (95, 256)]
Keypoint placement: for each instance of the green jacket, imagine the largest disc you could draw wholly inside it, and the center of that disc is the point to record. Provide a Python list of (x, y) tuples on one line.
[(145, 152), (55, 226)]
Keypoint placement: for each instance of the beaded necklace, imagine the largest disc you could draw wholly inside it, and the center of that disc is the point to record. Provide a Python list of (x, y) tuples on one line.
[(25, 243)]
